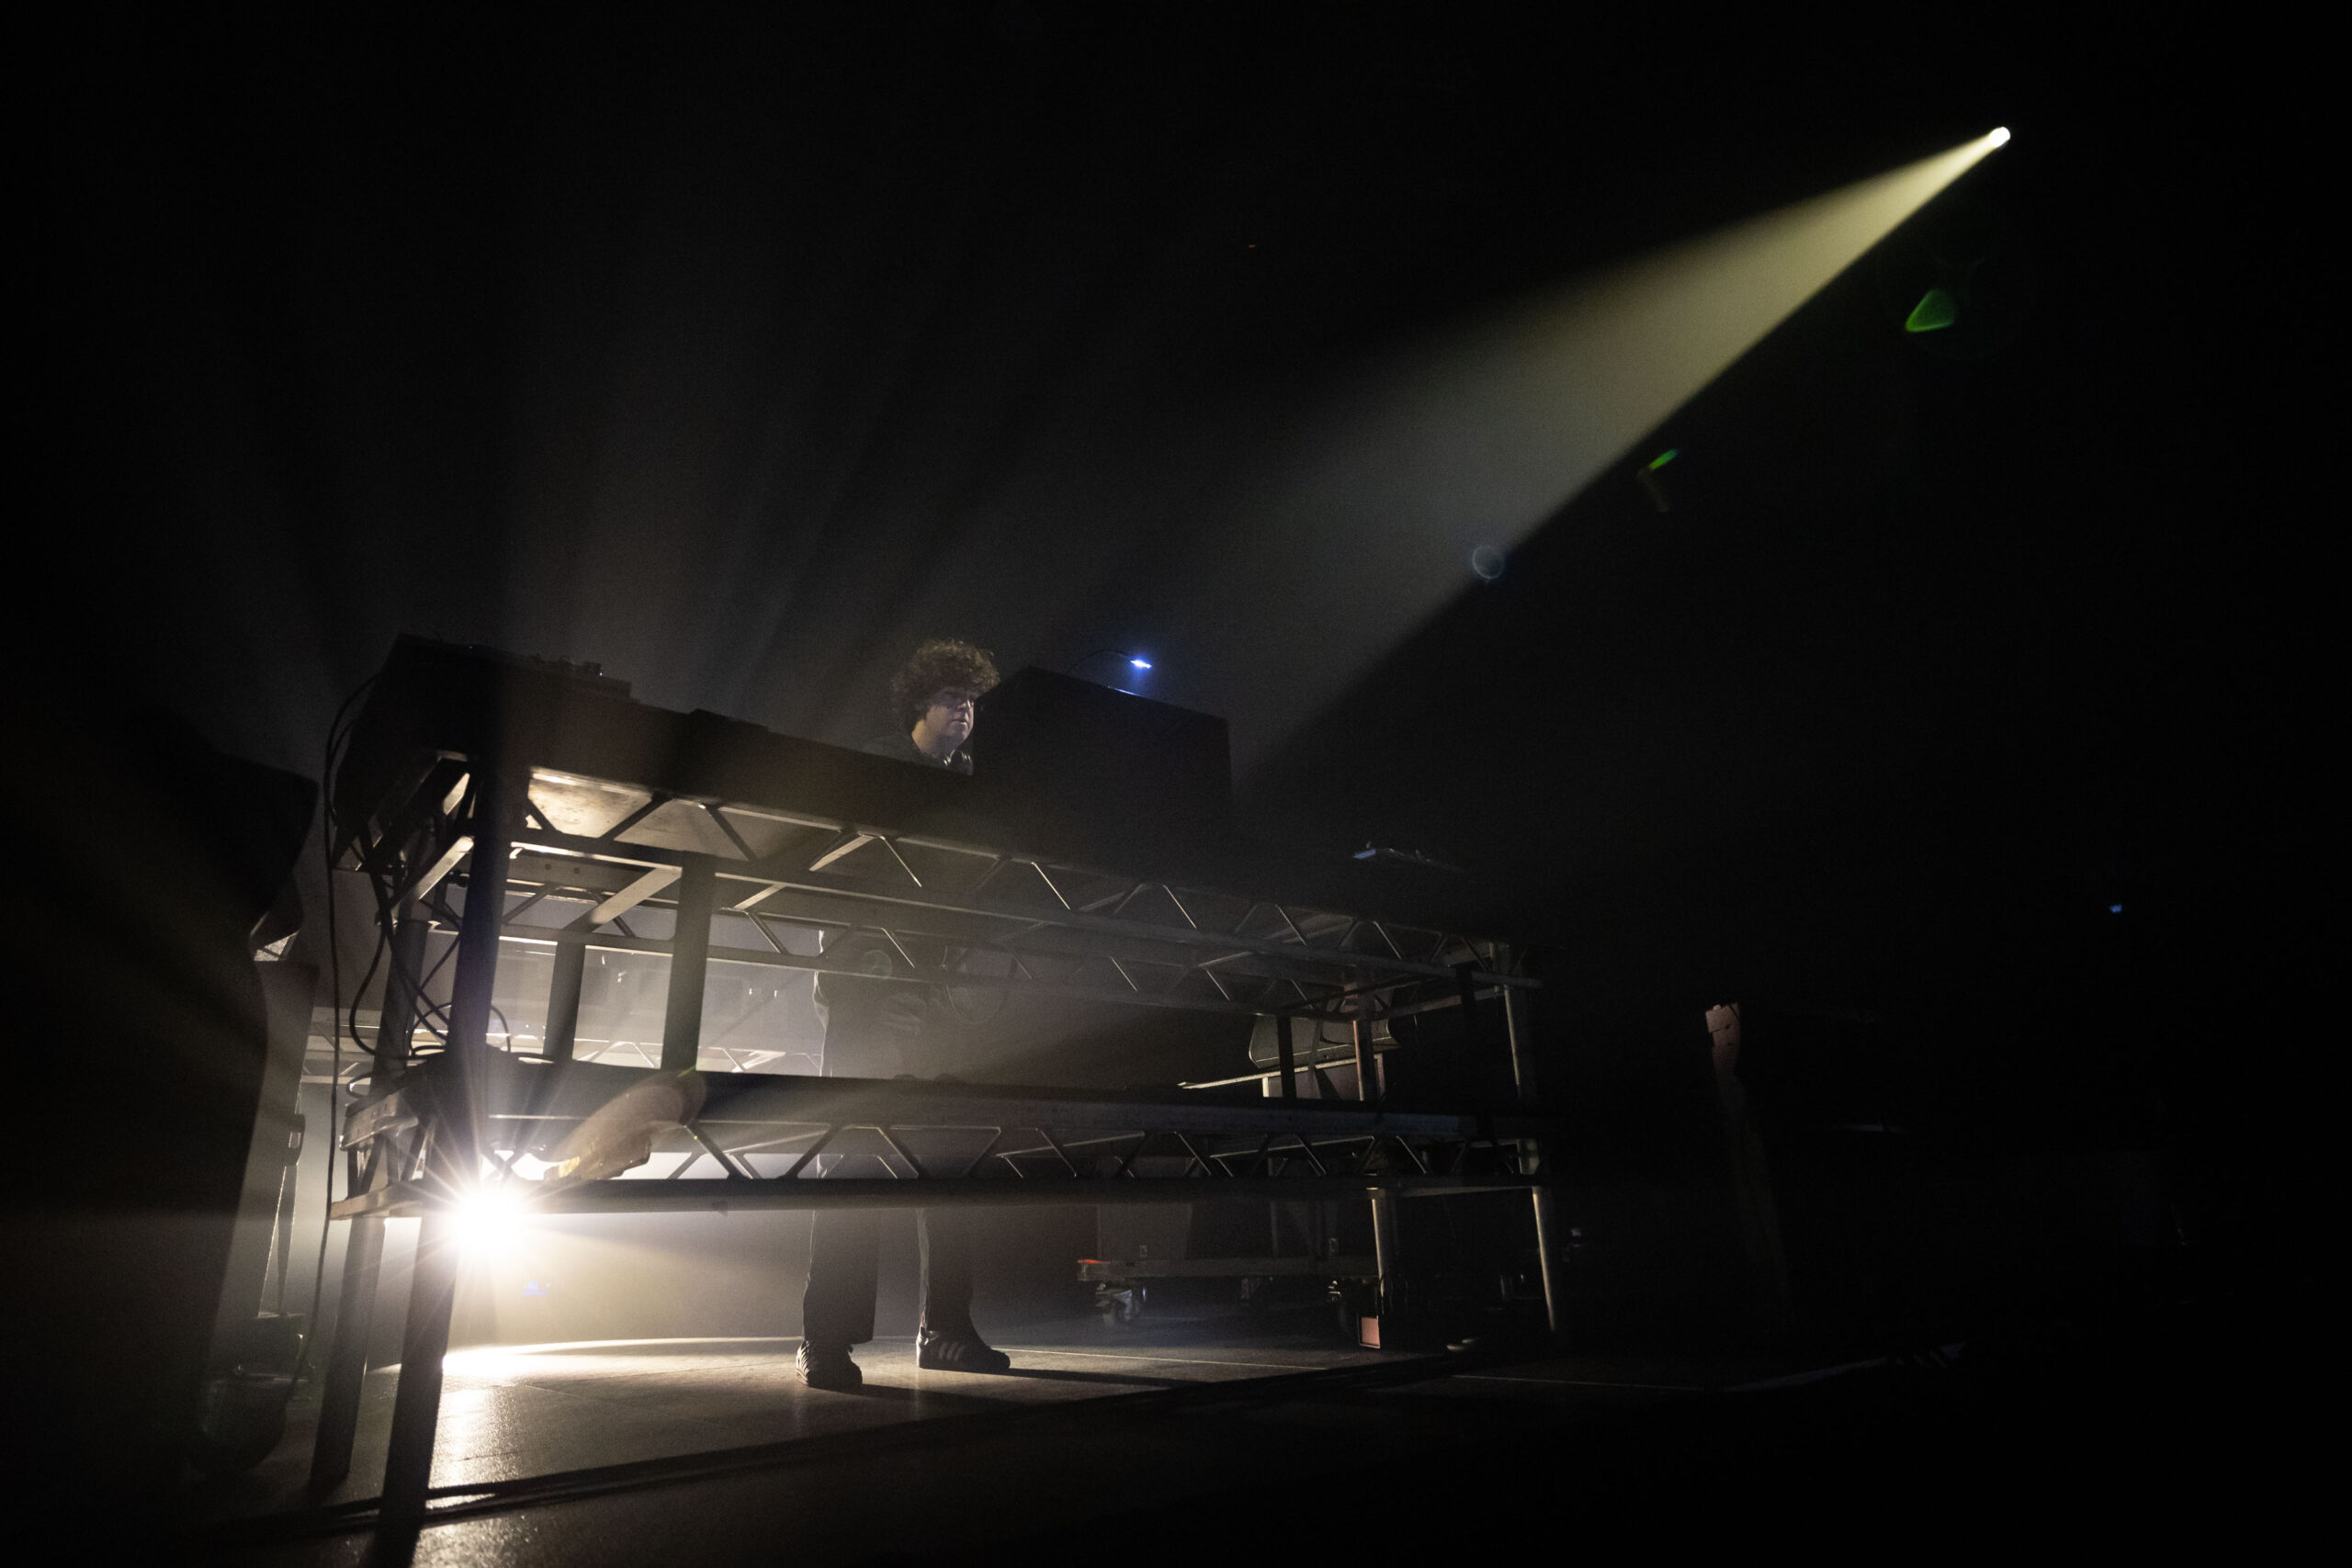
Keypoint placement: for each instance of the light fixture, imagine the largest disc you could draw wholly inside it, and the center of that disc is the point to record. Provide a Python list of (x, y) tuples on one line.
[(487, 1218), (1127, 656)]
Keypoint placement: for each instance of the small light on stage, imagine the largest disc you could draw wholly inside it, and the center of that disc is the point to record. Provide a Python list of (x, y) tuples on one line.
[(1663, 458), (1487, 562), (2115, 908), (2000, 136), (1140, 663)]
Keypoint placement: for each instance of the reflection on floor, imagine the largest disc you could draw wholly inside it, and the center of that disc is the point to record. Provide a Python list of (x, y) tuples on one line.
[(947, 1467), (510, 1411)]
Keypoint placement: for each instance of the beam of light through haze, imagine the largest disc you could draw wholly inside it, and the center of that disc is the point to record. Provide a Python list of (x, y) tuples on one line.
[(1476, 439)]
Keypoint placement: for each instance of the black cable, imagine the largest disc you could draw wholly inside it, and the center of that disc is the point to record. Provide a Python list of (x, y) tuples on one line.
[(387, 917), (336, 736)]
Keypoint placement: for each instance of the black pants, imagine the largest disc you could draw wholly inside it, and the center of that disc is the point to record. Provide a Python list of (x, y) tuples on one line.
[(877, 1031), (837, 1309)]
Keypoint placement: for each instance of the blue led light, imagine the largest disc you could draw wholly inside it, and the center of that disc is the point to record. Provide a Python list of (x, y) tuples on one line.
[(1140, 663), (2115, 908)]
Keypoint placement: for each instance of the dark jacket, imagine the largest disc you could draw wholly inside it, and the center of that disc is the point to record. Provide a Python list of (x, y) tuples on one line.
[(885, 1022), (904, 749)]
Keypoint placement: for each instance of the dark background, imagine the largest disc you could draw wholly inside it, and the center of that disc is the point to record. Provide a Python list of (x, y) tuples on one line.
[(737, 355)]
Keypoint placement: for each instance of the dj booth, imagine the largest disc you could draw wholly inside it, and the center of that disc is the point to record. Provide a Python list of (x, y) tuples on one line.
[(487, 799)]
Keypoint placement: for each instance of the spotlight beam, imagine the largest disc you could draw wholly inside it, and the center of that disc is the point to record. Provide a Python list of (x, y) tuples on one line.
[(1474, 439)]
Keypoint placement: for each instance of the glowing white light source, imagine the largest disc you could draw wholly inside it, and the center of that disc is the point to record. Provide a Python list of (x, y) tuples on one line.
[(2000, 136), (489, 1219), (1140, 663)]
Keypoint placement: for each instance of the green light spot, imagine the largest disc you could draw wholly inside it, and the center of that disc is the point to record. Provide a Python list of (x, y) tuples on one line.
[(1663, 458), (1935, 311)]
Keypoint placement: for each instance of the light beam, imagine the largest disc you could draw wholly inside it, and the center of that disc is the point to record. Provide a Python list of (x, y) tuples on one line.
[(1472, 440)]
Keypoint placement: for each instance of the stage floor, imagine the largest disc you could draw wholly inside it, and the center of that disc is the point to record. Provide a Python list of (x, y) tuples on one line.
[(1098, 1427), (509, 1411)]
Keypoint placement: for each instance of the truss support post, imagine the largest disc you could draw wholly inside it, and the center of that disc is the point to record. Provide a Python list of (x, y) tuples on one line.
[(1367, 1089), (696, 893), (424, 1341), (1286, 1058), (398, 1026), (563, 999), (498, 803), (1386, 1257), (363, 1255), (1518, 1029), (354, 1316), (1551, 1249)]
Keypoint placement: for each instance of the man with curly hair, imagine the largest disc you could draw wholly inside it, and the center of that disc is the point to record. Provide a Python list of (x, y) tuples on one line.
[(879, 1024), (932, 695)]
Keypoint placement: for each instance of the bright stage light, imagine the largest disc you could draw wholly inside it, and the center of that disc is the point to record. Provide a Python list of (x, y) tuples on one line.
[(489, 1219), (2000, 136), (1140, 663)]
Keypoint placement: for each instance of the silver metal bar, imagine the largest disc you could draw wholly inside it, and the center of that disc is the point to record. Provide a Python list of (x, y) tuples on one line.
[(459, 848), (781, 877), (1022, 980), (636, 893), (811, 1152), (727, 828), (424, 1339), (1384, 1249), (1518, 1029), (346, 1366), (904, 1152), (654, 1195), (847, 844), (1549, 1243)]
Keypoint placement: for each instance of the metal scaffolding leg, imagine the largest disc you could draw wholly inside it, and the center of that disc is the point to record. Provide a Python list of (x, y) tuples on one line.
[(1386, 1255), (424, 1341), (354, 1316), (497, 806), (563, 999), (696, 893), (363, 1257), (1519, 1031), (1549, 1244)]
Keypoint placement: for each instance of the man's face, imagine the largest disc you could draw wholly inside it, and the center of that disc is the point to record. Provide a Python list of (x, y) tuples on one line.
[(949, 713)]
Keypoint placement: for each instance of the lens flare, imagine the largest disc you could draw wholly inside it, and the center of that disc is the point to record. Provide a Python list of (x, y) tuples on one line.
[(488, 1220)]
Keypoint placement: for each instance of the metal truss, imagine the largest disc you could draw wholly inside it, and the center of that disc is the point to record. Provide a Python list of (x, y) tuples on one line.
[(494, 849), (940, 1144), (1004, 921)]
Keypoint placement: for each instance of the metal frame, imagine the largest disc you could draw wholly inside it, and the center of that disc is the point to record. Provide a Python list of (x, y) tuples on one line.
[(430, 1131)]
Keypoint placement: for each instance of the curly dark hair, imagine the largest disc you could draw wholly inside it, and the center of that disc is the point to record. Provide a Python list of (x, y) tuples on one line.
[(936, 665)]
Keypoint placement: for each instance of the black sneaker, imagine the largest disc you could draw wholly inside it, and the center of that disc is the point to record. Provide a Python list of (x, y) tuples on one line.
[(830, 1369), (958, 1353)]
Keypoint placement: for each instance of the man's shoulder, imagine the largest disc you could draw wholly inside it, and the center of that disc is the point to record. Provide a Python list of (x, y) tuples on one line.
[(903, 747)]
